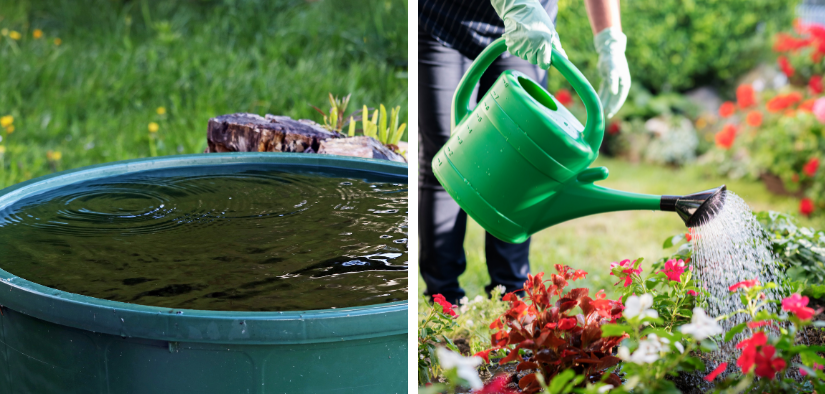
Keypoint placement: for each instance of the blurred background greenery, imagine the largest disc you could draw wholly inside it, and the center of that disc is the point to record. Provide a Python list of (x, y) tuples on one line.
[(91, 81)]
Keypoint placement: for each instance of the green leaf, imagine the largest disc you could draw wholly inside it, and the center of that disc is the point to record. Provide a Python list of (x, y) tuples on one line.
[(673, 241), (351, 131), (615, 330), (735, 330), (559, 383), (382, 125)]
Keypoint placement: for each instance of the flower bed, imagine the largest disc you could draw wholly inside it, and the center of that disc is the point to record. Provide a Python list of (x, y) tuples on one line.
[(647, 340)]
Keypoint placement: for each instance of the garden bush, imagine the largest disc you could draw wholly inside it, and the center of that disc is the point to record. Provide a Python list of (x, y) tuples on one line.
[(780, 133), (679, 44)]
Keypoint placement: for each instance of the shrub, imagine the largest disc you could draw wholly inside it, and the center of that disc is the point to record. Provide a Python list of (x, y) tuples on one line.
[(678, 44), (557, 339)]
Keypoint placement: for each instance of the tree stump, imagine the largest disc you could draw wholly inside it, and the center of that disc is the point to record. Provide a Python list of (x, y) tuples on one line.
[(244, 132)]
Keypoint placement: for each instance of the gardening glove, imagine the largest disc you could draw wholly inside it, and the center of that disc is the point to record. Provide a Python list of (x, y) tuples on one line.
[(528, 31), (613, 69)]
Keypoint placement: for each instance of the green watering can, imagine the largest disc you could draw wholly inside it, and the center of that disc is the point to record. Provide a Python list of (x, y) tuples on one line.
[(518, 162)]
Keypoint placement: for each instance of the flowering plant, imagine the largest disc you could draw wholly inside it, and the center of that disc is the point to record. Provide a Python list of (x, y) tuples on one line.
[(473, 317), (432, 335), (772, 348), (669, 281), (543, 335)]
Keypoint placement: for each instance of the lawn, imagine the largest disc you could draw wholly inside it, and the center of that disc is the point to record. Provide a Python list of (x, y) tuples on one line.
[(85, 79), (591, 243)]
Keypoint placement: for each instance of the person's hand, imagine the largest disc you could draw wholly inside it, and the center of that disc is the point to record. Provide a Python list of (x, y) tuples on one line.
[(528, 30), (613, 69)]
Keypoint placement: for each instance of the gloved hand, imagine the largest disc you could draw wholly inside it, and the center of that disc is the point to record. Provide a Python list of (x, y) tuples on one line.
[(528, 30), (613, 69)]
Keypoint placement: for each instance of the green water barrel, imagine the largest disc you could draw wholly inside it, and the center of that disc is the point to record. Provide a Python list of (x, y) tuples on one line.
[(53, 341)]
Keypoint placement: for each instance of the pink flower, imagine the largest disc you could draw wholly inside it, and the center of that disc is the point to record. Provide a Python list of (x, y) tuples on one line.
[(819, 109), (816, 366), (693, 293), (747, 284), (721, 368), (798, 305), (445, 306), (674, 269), (628, 271)]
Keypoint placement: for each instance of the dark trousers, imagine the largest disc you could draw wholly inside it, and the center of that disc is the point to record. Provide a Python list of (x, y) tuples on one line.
[(442, 224)]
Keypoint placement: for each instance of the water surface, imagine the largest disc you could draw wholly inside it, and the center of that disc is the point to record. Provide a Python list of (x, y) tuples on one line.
[(259, 237)]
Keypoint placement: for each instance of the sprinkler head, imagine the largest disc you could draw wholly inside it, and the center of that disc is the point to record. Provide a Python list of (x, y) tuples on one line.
[(696, 208)]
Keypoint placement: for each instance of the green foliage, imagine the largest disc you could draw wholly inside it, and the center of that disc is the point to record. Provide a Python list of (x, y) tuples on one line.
[(433, 328), (801, 249), (334, 121), (381, 127), (475, 313), (91, 98), (679, 44)]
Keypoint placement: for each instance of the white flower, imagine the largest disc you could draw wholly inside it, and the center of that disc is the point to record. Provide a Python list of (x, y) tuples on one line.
[(605, 388), (649, 350), (465, 366), (679, 347), (701, 326), (639, 306)]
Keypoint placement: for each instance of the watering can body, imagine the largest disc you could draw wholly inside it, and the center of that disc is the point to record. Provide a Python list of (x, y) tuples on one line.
[(517, 163)]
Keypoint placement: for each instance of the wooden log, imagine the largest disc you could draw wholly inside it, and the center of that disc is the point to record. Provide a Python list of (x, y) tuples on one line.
[(244, 132), (366, 147)]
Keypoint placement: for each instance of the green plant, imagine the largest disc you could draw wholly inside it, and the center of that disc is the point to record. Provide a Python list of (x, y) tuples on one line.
[(381, 127), (473, 316), (334, 121), (432, 333), (801, 249)]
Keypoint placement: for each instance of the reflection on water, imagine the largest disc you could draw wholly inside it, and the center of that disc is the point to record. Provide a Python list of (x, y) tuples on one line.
[(239, 237)]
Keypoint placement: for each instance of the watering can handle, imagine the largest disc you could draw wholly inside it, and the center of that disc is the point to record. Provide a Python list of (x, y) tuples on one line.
[(593, 129)]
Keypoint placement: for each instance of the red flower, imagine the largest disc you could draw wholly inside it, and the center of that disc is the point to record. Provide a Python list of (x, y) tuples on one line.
[(744, 284), (721, 368), (485, 354), (727, 109), (816, 366), (628, 270), (783, 101), (745, 96), (754, 118), (798, 305), (674, 269), (564, 97), (613, 128), (688, 237), (786, 43), (567, 323), (496, 386), (806, 206), (446, 306), (766, 364), (807, 105), (578, 274), (725, 138), (749, 346), (815, 84), (786, 67), (811, 166), (757, 324), (692, 293)]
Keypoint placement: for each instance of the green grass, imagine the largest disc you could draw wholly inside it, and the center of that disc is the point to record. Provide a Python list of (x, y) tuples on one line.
[(92, 97), (591, 243)]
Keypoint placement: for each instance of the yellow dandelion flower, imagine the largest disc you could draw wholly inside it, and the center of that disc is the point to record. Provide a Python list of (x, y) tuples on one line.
[(161, 110), (37, 33), (14, 35), (153, 127), (6, 120), (57, 156), (4, 32), (57, 41), (10, 129), (2, 149)]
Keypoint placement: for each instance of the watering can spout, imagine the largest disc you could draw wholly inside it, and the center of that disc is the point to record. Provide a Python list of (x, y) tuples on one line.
[(697, 208)]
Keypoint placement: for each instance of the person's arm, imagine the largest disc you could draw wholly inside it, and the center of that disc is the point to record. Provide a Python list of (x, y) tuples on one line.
[(610, 42), (528, 31), (603, 14)]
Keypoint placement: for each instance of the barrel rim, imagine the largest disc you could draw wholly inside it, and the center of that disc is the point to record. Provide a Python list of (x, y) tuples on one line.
[(193, 325)]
